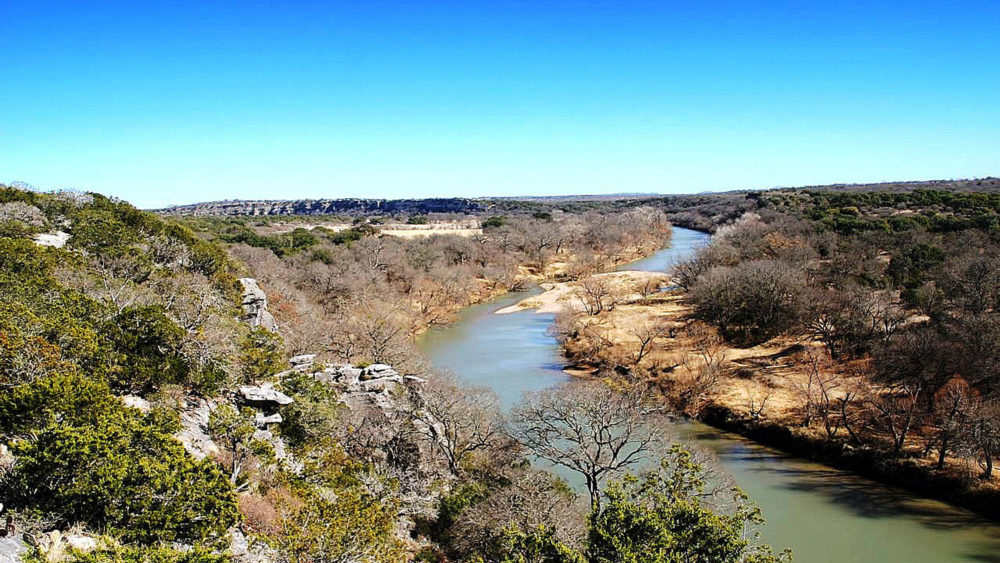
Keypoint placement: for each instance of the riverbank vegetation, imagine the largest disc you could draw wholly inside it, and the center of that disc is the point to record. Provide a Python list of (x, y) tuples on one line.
[(359, 296), (858, 328), (149, 409)]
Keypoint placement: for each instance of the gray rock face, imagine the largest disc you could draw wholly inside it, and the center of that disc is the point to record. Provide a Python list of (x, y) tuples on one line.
[(263, 421), (302, 361), (345, 374), (264, 397), (255, 306), (377, 371), (11, 549), (194, 428), (382, 384), (57, 239)]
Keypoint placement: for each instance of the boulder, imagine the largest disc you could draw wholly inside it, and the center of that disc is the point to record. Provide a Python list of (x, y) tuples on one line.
[(345, 374), (255, 306), (11, 549), (264, 397), (381, 384), (57, 239), (80, 542), (376, 371), (193, 434), (302, 361), (262, 421), (136, 403)]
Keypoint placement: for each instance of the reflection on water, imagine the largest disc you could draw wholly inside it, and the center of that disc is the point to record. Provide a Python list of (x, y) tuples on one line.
[(823, 514)]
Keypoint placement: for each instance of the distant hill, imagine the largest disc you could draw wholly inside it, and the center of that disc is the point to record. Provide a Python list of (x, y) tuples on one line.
[(350, 206), (362, 206)]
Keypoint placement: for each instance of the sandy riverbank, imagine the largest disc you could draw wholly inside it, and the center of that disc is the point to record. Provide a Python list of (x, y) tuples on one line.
[(626, 285)]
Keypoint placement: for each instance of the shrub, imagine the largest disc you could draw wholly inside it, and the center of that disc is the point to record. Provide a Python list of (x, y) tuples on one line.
[(262, 353), (148, 344), (82, 456), (750, 302)]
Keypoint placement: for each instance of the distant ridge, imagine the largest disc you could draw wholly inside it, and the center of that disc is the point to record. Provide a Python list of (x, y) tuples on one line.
[(363, 206), (345, 206)]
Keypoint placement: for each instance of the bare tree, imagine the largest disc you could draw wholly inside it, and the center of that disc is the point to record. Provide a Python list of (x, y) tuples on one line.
[(532, 498), (458, 420), (897, 410), (984, 433), (704, 366), (589, 429), (757, 402), (597, 295), (646, 334)]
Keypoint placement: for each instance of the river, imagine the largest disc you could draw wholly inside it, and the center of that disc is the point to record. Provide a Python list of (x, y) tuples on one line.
[(824, 515)]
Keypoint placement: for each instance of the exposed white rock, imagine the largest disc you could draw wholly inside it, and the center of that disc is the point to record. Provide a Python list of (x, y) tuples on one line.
[(57, 239), (11, 549), (344, 374), (264, 396), (263, 421), (255, 306), (382, 383), (80, 542), (376, 371), (194, 429), (302, 361), (249, 550), (136, 403)]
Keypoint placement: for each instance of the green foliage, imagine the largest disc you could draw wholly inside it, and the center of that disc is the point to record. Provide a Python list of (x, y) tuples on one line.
[(82, 456), (660, 518), (857, 212), (313, 416), (915, 265), (262, 353), (284, 244), (140, 554), (451, 505), (334, 516), (494, 222), (234, 431), (99, 231), (70, 297), (539, 545), (148, 344), (417, 220)]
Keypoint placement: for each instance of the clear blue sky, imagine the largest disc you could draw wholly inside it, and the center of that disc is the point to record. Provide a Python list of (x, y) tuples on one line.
[(173, 102)]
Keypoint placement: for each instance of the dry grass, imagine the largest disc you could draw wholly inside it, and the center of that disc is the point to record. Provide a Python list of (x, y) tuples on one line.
[(769, 383)]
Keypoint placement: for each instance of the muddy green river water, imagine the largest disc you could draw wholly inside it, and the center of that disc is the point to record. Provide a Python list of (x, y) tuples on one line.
[(823, 514)]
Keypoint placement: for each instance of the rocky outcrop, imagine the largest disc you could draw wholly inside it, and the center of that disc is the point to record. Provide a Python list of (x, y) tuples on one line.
[(11, 549), (377, 371), (302, 361), (255, 306), (194, 428), (263, 421), (57, 239), (249, 550), (263, 397)]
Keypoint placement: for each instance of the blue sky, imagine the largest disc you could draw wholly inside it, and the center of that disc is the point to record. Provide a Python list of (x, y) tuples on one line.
[(174, 102)]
